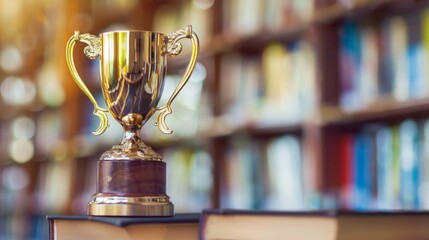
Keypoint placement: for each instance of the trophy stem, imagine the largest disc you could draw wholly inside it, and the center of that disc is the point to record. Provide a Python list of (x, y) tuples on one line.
[(131, 147), (131, 178)]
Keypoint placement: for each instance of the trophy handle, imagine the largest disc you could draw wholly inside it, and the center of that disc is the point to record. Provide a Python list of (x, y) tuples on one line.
[(173, 49), (92, 51)]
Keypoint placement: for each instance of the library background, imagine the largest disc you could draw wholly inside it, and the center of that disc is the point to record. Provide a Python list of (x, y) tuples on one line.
[(293, 105)]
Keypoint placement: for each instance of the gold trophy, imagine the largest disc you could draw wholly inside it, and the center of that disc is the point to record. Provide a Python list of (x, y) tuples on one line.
[(131, 177)]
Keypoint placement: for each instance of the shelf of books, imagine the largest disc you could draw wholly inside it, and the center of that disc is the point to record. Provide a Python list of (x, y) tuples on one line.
[(293, 105)]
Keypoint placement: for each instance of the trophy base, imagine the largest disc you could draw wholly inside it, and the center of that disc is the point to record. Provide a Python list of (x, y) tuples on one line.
[(131, 178), (146, 206)]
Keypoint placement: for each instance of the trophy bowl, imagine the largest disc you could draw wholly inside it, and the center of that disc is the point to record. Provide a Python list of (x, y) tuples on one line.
[(131, 176)]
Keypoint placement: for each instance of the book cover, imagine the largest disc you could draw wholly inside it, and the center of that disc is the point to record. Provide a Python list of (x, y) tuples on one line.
[(83, 227)]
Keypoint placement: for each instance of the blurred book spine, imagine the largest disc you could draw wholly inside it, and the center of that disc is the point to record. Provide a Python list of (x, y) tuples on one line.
[(278, 88), (424, 168), (383, 59), (265, 175), (285, 172), (172, 16), (362, 167), (409, 164), (189, 178), (350, 60), (384, 167), (245, 17), (346, 158), (242, 177)]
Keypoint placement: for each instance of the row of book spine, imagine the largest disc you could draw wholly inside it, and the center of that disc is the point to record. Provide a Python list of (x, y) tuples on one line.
[(385, 167), (275, 88), (267, 175), (18, 217), (384, 59), (251, 16), (176, 15), (29, 226), (189, 178)]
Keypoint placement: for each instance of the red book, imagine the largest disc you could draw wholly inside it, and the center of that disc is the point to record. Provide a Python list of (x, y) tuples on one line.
[(346, 169)]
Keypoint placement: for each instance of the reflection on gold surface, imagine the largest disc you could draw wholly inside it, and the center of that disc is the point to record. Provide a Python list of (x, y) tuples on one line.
[(133, 65)]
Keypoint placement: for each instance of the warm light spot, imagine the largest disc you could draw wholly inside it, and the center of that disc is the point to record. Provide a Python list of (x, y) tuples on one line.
[(51, 90), (59, 152), (23, 128), (17, 91), (11, 59), (21, 151), (15, 178), (203, 4)]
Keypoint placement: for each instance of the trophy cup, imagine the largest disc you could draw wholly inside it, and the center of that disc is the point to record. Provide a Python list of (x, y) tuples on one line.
[(131, 177)]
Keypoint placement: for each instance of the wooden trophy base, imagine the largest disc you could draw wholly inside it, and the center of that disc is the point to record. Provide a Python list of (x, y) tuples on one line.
[(131, 188)]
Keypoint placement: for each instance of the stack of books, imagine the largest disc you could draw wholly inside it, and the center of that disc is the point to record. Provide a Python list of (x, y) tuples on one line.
[(246, 224)]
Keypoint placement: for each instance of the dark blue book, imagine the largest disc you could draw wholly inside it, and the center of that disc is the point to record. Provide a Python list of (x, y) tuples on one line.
[(70, 227)]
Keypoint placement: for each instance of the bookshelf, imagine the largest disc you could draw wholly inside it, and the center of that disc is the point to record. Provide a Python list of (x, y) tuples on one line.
[(334, 117), (279, 107)]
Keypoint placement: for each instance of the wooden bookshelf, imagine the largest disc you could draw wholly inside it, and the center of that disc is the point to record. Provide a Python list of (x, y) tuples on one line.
[(322, 133), (381, 111)]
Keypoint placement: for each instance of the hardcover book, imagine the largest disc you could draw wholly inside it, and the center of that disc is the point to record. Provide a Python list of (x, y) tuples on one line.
[(323, 225), (178, 227)]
